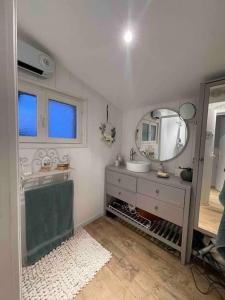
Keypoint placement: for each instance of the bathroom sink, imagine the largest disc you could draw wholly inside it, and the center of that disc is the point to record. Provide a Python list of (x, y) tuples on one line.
[(138, 166)]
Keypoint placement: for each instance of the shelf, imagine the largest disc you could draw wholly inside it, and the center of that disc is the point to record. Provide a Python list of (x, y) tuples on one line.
[(44, 174), (162, 230)]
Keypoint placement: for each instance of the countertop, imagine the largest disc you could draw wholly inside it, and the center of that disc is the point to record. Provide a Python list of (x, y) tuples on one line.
[(152, 175)]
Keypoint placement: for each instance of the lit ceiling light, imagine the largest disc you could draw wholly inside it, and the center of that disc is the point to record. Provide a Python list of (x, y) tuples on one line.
[(128, 36)]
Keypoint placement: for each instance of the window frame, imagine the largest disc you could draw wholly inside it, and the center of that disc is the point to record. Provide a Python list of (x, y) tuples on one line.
[(51, 95), (44, 94), (36, 91)]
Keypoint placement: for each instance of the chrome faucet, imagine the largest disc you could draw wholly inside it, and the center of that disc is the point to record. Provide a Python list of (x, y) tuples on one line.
[(132, 153)]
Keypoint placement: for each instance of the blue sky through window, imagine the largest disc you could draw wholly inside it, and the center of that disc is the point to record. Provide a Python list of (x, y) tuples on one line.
[(27, 114), (62, 120)]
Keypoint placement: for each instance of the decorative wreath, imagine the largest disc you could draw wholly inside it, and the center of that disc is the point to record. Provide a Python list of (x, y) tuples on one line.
[(108, 135), (108, 131)]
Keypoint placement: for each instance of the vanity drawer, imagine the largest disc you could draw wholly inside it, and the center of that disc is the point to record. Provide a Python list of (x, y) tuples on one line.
[(162, 192), (161, 209), (124, 181), (121, 194)]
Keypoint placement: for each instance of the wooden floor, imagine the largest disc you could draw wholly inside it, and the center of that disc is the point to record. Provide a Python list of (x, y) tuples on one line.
[(139, 269), (214, 201), (209, 219), (210, 215)]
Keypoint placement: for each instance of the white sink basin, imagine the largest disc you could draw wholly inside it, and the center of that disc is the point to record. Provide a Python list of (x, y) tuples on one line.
[(138, 166)]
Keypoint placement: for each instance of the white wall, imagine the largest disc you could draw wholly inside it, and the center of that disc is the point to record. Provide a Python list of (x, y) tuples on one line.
[(132, 117), (88, 163), (208, 156), (216, 151), (220, 176)]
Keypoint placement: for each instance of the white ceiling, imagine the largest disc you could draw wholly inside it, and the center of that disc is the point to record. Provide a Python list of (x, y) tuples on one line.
[(178, 44)]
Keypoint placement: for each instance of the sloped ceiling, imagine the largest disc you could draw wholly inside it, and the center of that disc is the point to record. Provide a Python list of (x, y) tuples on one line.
[(178, 44)]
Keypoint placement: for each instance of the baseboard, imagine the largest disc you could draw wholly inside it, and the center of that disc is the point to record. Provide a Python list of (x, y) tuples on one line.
[(92, 219)]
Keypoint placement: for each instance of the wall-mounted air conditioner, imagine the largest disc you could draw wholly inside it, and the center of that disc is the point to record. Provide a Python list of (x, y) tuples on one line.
[(34, 60)]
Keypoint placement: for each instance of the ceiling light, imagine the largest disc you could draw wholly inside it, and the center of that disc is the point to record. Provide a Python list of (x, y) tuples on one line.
[(128, 37)]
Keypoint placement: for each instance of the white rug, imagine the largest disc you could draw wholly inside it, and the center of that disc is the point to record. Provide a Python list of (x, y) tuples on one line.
[(66, 270)]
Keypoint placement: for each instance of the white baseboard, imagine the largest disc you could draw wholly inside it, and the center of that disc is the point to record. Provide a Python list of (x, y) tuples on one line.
[(92, 219)]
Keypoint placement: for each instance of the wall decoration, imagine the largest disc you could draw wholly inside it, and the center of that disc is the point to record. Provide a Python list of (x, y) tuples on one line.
[(43, 160), (108, 131)]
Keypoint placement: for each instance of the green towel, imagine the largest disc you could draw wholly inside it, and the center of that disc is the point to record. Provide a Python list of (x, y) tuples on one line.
[(220, 240), (49, 218)]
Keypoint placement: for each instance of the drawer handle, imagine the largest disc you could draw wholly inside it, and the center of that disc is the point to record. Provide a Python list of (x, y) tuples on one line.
[(119, 193), (157, 191), (119, 180), (156, 207)]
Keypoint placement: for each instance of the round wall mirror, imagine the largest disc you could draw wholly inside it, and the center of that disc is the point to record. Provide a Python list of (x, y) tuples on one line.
[(187, 111), (161, 135)]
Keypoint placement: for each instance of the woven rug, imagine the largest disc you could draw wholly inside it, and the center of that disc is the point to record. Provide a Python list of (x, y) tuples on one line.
[(66, 270)]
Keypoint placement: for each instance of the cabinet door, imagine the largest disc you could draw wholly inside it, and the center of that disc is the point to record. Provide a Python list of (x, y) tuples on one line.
[(121, 180), (161, 192), (161, 209), (121, 194)]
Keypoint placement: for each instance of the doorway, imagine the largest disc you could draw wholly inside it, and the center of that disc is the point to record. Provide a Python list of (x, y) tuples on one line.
[(213, 177)]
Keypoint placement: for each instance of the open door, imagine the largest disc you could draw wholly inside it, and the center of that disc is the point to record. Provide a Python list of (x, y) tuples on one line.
[(9, 223), (210, 172)]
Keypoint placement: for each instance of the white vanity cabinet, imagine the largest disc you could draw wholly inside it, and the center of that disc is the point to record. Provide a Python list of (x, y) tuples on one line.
[(168, 199)]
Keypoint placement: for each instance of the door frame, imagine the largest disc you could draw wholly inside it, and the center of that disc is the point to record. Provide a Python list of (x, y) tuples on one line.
[(10, 257), (202, 116)]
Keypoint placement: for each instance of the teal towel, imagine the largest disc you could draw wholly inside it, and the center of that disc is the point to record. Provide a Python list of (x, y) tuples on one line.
[(220, 240), (49, 218)]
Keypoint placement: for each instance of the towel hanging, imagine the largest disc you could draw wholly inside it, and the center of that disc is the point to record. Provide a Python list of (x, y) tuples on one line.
[(49, 218)]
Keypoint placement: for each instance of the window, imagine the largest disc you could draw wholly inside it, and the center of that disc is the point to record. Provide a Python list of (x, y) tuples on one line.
[(27, 114), (153, 133), (145, 132), (149, 132), (62, 120), (47, 116)]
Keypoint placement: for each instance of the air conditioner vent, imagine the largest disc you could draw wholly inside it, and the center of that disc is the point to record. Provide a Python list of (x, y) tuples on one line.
[(29, 67)]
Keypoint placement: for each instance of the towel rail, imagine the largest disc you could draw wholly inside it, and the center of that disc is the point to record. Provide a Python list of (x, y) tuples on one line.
[(42, 178)]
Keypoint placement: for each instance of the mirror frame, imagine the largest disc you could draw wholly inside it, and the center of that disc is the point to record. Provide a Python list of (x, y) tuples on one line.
[(157, 160), (202, 116)]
